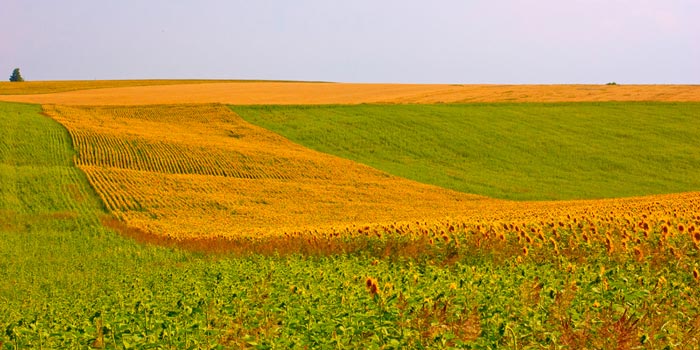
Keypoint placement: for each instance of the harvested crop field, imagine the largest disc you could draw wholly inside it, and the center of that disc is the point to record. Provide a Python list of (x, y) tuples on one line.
[(251, 93), (201, 171), (198, 171)]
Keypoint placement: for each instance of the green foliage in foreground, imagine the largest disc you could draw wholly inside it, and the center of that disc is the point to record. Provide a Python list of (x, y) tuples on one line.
[(67, 282), (525, 151)]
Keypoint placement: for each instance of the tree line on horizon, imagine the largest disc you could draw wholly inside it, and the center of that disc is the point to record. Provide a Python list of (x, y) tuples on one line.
[(16, 76)]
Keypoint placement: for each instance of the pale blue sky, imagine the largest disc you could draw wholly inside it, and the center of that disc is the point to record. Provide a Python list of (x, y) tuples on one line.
[(439, 41)]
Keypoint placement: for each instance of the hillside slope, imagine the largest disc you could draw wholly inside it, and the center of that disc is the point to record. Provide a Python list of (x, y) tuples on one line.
[(576, 274), (202, 171), (522, 151)]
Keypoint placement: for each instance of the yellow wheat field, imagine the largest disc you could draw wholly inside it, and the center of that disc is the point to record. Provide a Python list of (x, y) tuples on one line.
[(246, 93), (190, 171), (193, 171), (54, 86)]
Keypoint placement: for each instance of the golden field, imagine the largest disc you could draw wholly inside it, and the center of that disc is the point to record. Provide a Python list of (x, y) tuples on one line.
[(193, 171), (54, 86), (201, 172), (251, 93)]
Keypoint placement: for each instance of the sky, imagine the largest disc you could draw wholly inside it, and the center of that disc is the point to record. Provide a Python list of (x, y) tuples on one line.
[(388, 41)]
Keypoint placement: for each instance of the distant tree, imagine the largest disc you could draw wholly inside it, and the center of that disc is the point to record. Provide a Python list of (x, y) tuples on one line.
[(16, 76)]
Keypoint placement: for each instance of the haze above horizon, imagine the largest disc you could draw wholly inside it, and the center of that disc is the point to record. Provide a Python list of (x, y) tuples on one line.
[(449, 41)]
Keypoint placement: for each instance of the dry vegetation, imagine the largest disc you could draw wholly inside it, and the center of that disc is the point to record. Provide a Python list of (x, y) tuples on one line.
[(200, 172), (244, 93), (54, 86), (192, 171)]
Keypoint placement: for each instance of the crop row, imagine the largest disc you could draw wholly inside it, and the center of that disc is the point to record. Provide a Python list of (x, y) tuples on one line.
[(167, 158), (203, 182)]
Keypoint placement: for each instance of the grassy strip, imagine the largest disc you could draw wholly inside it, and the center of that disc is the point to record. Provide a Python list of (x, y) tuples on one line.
[(527, 151)]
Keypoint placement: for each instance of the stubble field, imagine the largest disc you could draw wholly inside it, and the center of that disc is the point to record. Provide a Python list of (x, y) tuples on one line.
[(311, 93)]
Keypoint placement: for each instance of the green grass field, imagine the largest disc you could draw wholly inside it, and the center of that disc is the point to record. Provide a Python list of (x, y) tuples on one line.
[(68, 282), (510, 151)]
